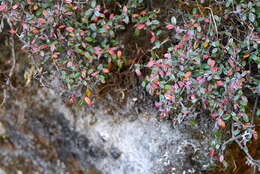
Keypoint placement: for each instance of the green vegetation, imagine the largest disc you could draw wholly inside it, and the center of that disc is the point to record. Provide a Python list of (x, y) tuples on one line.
[(196, 58)]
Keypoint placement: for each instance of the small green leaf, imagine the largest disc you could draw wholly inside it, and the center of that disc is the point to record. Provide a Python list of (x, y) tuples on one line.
[(251, 17), (93, 3), (173, 20), (245, 118), (226, 117), (214, 50), (236, 132)]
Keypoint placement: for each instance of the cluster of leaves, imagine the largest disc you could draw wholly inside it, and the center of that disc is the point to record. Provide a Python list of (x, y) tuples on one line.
[(205, 69), (77, 39), (198, 61)]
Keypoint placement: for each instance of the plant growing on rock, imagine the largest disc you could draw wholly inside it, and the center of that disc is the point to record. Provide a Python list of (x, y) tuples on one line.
[(200, 61)]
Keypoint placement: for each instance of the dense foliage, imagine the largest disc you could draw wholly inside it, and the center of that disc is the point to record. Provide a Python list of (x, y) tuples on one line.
[(199, 58)]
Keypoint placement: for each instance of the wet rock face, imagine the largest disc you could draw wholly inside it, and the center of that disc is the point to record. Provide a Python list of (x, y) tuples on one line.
[(43, 135)]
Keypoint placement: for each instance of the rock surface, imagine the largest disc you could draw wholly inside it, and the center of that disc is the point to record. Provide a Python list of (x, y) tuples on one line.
[(47, 136)]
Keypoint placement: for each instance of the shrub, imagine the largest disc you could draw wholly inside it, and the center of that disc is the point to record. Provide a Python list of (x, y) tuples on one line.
[(200, 61)]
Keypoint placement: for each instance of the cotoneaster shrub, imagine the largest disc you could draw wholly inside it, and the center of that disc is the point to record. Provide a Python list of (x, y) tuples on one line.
[(200, 60)]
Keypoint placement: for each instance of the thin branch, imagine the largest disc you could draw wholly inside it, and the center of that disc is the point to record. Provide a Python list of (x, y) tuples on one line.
[(212, 15)]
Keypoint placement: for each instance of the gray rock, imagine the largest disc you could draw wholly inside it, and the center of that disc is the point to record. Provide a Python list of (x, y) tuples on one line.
[(2, 130), (2, 171)]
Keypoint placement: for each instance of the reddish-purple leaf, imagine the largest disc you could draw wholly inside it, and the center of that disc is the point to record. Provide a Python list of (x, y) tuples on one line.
[(211, 62), (2, 7), (41, 20), (150, 63), (70, 29), (105, 70), (219, 83), (125, 9), (153, 37), (170, 26), (140, 26)]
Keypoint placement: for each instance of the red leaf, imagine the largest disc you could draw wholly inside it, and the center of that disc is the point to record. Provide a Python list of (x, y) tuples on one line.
[(221, 158), (150, 63), (88, 101), (205, 56), (185, 112), (61, 26), (111, 16), (168, 96), (105, 70), (15, 6), (231, 62), (211, 62), (111, 51), (212, 152), (44, 46), (13, 31), (140, 26), (196, 15), (158, 104), (41, 20), (98, 50), (219, 83), (2, 7), (170, 26), (255, 136), (72, 100), (153, 37), (68, 1), (119, 54), (213, 115), (214, 69), (195, 25), (70, 29)]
